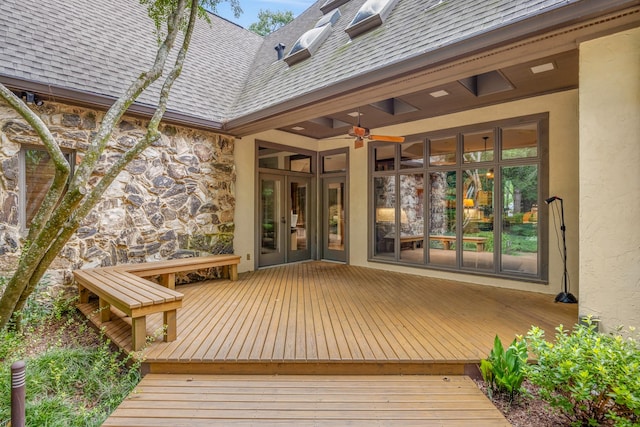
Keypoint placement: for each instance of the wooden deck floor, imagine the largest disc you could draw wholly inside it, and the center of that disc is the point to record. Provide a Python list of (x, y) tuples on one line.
[(325, 318), (306, 400)]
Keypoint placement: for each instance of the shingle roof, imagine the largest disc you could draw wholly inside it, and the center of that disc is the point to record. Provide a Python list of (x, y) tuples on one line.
[(231, 72), (414, 28), (101, 48)]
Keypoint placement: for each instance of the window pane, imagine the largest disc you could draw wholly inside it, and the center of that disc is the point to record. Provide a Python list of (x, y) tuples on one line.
[(270, 197), (334, 163), (385, 215), (411, 218), (442, 218), (520, 141), (477, 219), (520, 219), (385, 157), (412, 155), (300, 163), (442, 151), (478, 146)]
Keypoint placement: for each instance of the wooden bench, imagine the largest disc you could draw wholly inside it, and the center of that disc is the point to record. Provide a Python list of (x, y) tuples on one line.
[(125, 288), (167, 269), (447, 240)]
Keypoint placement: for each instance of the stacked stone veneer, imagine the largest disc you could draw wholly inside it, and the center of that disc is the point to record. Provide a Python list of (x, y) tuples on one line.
[(175, 199)]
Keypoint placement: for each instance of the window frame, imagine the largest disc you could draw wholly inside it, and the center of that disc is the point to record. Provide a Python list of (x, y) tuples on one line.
[(22, 183), (541, 161)]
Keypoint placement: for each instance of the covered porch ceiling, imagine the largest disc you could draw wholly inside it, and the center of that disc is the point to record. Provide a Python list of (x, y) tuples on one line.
[(545, 75)]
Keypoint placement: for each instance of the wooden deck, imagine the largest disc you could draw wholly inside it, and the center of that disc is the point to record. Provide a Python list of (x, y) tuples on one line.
[(325, 318), (306, 400)]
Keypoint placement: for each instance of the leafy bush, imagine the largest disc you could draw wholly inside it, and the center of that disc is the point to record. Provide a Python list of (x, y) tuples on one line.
[(591, 377), (503, 371)]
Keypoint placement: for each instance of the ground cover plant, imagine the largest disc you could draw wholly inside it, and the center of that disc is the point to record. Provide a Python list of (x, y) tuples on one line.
[(504, 370), (73, 376)]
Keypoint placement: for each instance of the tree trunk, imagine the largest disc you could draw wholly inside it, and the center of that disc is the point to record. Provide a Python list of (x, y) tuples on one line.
[(60, 223)]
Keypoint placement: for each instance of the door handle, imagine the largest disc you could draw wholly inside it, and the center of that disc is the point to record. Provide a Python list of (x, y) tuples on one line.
[(283, 220)]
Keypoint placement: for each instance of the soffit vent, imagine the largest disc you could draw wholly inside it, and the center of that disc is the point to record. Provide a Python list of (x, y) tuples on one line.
[(372, 14), (329, 5), (487, 83), (310, 41)]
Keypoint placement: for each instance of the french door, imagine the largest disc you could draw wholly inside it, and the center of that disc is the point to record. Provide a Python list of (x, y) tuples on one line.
[(285, 219), (334, 225)]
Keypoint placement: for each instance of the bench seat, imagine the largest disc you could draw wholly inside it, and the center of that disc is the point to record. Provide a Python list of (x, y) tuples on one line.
[(447, 240), (125, 288)]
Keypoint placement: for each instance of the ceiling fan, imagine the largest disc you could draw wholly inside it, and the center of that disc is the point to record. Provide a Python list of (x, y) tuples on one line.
[(360, 134)]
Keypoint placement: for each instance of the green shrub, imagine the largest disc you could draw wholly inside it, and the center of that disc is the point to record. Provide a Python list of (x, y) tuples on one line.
[(503, 370), (592, 378)]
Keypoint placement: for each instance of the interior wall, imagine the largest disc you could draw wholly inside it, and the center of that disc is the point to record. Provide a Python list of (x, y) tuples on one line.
[(563, 177), (609, 184)]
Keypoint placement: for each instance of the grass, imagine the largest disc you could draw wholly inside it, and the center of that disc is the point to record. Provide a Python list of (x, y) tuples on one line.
[(73, 376)]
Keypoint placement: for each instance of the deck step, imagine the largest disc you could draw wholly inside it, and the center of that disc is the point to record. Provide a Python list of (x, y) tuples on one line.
[(306, 400)]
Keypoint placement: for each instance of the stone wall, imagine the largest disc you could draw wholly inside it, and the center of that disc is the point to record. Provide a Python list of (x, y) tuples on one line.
[(177, 198)]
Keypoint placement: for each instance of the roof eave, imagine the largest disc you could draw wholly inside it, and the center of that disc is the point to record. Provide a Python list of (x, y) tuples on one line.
[(103, 102)]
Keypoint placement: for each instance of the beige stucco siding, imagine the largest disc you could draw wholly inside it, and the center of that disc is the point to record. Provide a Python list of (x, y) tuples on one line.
[(610, 183), (562, 109)]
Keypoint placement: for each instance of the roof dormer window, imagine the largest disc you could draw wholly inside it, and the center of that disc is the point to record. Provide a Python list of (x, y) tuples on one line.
[(372, 14)]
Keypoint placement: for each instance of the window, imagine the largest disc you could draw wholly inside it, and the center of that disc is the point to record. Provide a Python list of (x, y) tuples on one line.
[(37, 173), (463, 199)]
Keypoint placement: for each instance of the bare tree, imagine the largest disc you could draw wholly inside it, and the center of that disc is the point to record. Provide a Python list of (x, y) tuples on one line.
[(61, 213)]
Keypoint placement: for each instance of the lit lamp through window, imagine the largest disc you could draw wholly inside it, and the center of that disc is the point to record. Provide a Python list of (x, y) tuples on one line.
[(386, 215)]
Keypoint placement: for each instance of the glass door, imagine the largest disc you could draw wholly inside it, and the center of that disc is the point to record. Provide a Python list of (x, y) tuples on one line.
[(334, 220), (285, 219), (272, 220), (299, 209)]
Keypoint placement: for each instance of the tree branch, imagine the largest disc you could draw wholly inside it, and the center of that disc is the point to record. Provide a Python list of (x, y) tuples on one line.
[(62, 168)]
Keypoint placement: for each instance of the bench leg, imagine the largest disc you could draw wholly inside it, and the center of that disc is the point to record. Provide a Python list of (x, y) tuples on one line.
[(480, 247), (168, 280), (83, 294), (233, 272), (138, 332), (169, 319), (446, 245), (105, 310)]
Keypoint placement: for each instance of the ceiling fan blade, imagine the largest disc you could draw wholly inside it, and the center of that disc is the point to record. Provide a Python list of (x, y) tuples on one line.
[(386, 138)]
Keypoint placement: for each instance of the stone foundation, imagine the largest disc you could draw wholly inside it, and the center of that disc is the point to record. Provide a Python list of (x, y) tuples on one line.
[(177, 198)]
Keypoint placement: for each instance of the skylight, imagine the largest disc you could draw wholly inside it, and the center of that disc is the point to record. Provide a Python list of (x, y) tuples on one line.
[(372, 14), (329, 5), (310, 41)]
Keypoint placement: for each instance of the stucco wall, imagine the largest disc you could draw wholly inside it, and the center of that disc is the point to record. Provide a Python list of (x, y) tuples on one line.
[(176, 198), (562, 109), (610, 184)]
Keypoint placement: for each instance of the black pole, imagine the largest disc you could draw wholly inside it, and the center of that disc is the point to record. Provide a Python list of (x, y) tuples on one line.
[(564, 296), (18, 384)]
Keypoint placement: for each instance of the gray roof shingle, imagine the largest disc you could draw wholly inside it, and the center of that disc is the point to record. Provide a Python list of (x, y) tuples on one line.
[(231, 72), (100, 49)]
